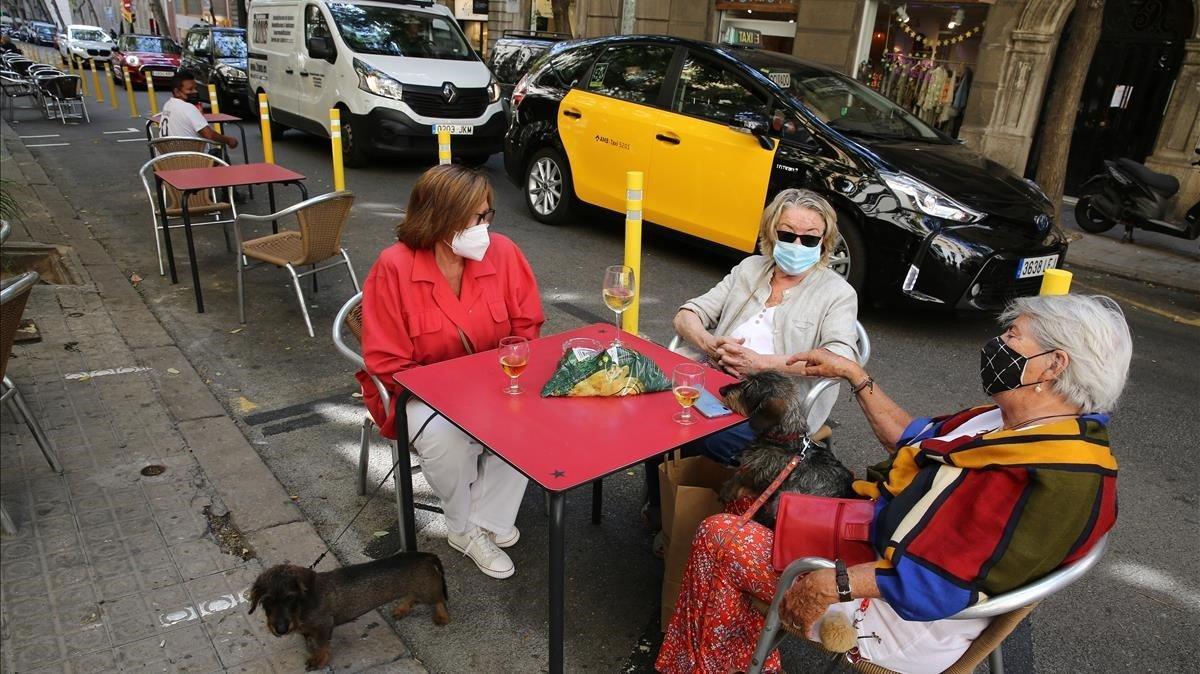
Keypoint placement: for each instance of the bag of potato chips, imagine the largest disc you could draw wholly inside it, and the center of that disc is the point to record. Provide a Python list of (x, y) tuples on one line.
[(616, 371)]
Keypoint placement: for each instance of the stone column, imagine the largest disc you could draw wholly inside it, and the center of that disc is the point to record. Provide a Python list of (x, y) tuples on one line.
[(827, 32), (506, 15), (1174, 151)]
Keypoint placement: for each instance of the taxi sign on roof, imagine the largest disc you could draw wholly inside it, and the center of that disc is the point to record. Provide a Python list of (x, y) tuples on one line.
[(743, 37)]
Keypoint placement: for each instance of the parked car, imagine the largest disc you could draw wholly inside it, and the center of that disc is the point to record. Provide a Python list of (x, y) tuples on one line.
[(146, 56), (719, 130), (217, 56), (40, 32), (512, 55), (396, 69), (85, 43)]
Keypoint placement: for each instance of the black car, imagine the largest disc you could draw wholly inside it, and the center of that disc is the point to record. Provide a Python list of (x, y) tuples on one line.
[(41, 33), (514, 52), (718, 130), (217, 55)]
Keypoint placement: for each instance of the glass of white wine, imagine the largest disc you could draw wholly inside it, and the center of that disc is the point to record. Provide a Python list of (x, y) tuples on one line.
[(619, 289), (686, 381), (514, 358)]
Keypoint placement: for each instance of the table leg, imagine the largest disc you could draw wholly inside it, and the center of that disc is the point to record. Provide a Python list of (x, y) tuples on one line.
[(303, 190), (271, 205), (405, 509), (558, 501), (191, 246), (245, 152), (597, 499), (166, 228)]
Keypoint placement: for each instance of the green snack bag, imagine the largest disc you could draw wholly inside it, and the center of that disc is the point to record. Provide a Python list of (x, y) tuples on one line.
[(617, 371)]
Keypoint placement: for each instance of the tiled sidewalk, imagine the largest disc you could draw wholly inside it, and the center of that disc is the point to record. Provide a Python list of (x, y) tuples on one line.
[(113, 570)]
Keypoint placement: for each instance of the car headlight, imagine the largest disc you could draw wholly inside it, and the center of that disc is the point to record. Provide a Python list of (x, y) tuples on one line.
[(493, 91), (915, 195), (373, 80), (132, 61), (230, 73)]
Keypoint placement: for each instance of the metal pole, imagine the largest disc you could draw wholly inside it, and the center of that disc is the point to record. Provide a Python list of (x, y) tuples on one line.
[(264, 117), (112, 88), (335, 143), (214, 105), (634, 181), (98, 91), (133, 112), (151, 94), (557, 580)]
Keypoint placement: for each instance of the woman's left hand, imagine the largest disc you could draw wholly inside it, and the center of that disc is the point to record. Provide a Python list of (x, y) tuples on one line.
[(738, 360), (807, 600)]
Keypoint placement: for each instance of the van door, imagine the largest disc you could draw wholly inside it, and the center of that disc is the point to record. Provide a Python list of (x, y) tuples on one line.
[(316, 75), (607, 124), (712, 173)]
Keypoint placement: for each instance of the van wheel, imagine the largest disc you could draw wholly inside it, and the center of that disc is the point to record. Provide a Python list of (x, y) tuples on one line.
[(354, 151), (549, 192), (849, 257)]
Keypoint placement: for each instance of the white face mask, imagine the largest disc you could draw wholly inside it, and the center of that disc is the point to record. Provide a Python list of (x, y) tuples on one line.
[(472, 242)]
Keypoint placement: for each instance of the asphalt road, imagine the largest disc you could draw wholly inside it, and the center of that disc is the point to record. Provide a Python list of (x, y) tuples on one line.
[(1139, 610)]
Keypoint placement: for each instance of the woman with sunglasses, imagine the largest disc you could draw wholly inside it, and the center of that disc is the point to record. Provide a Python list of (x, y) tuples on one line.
[(450, 287)]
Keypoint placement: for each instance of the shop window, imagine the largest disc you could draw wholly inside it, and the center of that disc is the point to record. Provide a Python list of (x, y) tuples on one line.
[(631, 72), (713, 93)]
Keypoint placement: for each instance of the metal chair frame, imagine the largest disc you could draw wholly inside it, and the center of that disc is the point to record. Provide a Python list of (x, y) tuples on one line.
[(146, 173), (65, 102), (12, 290), (242, 265), (1020, 599), (14, 87)]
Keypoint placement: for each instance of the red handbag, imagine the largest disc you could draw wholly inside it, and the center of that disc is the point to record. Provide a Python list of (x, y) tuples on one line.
[(817, 526)]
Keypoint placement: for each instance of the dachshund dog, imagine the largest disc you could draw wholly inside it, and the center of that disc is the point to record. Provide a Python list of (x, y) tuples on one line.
[(298, 599), (774, 404)]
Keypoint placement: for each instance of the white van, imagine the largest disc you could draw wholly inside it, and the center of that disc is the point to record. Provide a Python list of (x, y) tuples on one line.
[(397, 69)]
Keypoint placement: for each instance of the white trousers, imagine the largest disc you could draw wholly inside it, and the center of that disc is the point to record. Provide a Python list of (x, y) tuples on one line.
[(475, 486)]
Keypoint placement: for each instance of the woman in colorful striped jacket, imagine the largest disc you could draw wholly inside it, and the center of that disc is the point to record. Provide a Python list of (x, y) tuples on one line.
[(968, 505)]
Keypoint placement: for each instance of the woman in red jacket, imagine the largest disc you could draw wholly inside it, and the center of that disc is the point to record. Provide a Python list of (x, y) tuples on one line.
[(446, 289)]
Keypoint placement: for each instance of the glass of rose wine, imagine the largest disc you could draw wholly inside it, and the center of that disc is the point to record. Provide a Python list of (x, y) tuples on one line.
[(514, 357), (686, 381), (619, 288)]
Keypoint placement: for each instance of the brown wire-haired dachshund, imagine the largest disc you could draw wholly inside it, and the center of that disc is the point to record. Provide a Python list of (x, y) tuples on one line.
[(296, 599)]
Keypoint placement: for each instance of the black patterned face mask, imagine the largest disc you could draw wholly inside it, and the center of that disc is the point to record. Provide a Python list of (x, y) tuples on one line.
[(1001, 368)]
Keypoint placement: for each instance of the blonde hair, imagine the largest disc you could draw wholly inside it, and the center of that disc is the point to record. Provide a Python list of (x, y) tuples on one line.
[(798, 198), (442, 204)]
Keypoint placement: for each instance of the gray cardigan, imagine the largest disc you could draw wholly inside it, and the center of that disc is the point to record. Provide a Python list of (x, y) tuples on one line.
[(818, 313)]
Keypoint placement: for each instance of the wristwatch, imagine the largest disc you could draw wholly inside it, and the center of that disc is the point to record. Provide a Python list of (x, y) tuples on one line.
[(842, 577)]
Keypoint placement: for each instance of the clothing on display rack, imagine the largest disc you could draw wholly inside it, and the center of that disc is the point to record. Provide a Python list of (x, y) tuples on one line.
[(935, 90)]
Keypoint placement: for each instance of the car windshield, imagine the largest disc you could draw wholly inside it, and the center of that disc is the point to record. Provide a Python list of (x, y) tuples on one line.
[(89, 35), (841, 102), (368, 29), (229, 45), (148, 43)]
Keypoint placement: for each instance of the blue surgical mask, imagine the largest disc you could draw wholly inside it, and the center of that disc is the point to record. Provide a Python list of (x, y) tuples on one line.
[(794, 258)]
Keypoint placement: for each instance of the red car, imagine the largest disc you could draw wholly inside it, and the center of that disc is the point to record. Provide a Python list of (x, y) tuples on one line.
[(145, 55)]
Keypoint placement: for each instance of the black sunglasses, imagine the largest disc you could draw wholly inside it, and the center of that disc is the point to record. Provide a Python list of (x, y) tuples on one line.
[(485, 216), (806, 240)]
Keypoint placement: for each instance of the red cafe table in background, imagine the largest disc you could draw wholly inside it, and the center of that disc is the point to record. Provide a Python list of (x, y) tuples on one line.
[(559, 443)]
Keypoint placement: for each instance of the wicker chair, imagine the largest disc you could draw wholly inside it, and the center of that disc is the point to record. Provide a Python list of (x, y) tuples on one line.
[(1006, 611), (321, 222), (200, 204), (171, 144), (13, 297)]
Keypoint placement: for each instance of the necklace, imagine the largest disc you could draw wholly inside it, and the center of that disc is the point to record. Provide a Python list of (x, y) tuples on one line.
[(1030, 421)]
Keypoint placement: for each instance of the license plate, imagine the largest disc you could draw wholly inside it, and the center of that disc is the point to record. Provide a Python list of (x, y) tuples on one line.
[(162, 73), (455, 129), (1036, 266)]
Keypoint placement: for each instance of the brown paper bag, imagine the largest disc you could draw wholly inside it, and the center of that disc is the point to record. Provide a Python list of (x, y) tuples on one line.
[(690, 490)]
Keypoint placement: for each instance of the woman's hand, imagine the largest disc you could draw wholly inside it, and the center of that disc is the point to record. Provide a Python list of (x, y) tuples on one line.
[(738, 360), (825, 363), (807, 600)]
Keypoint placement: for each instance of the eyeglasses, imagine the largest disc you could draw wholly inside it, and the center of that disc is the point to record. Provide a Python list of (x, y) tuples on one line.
[(485, 216), (806, 240)]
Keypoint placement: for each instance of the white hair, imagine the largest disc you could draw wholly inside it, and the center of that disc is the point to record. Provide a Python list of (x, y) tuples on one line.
[(1091, 329)]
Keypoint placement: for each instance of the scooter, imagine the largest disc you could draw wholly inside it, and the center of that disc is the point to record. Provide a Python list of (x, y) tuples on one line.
[(1132, 195)]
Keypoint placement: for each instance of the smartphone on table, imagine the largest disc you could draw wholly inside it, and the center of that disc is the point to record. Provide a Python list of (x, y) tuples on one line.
[(711, 406)]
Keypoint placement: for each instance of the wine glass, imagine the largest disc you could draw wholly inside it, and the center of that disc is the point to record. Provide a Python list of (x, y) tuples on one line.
[(686, 381), (619, 288), (514, 357)]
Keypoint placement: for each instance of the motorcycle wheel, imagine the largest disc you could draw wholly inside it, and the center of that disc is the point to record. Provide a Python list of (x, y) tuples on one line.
[(1089, 218)]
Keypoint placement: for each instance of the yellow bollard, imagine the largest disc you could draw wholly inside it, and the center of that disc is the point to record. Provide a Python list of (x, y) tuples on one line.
[(634, 181), (96, 90), (112, 88), (264, 117), (1056, 282), (443, 146), (214, 105), (150, 94), (129, 92), (335, 141), (83, 83)]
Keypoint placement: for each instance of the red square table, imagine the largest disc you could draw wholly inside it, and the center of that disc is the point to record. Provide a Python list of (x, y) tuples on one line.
[(190, 181), (559, 443)]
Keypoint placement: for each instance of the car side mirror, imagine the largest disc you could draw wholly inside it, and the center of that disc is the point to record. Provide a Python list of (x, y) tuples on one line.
[(755, 124), (320, 48)]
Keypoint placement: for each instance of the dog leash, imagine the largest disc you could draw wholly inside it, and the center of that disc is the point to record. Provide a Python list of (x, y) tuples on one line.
[(379, 486)]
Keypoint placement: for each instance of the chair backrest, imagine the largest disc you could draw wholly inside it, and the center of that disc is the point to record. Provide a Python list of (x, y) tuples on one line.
[(177, 160), (13, 297), (322, 220), (168, 144), (64, 87), (349, 318)]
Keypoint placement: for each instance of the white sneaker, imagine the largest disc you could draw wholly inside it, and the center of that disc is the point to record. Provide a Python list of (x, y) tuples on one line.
[(506, 541), (477, 544)]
